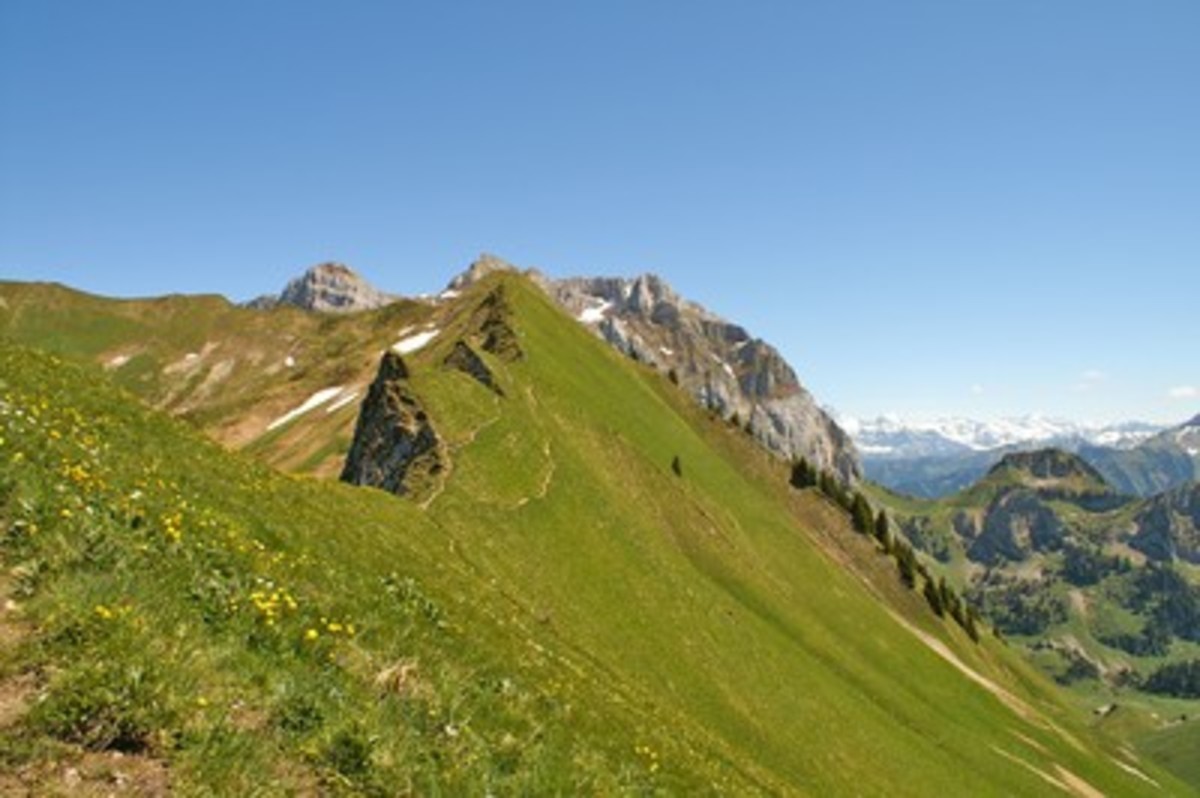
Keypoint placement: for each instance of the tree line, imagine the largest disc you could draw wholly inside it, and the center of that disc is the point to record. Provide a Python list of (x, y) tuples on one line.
[(942, 598)]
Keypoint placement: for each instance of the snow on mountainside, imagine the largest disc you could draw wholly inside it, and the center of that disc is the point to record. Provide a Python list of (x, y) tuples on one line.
[(888, 436)]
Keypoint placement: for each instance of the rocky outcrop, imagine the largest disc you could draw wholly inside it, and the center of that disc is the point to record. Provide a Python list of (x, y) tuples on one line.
[(1017, 524), (491, 322), (719, 363), (328, 288), (465, 359), (1168, 526), (395, 446)]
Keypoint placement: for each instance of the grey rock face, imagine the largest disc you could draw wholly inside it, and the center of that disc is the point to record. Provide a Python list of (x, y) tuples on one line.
[(1169, 526), (484, 265), (1015, 525), (714, 360), (330, 288), (395, 446)]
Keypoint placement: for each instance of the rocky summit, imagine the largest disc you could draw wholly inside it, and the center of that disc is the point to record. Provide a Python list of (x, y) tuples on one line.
[(329, 288), (728, 371)]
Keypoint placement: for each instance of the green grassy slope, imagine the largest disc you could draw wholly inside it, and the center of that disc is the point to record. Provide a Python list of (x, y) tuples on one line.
[(1176, 748), (564, 615), (230, 370)]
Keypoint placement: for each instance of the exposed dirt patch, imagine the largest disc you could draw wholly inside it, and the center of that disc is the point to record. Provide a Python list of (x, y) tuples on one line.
[(90, 774), (16, 695), (1079, 602), (1076, 784), (16, 691), (1130, 769)]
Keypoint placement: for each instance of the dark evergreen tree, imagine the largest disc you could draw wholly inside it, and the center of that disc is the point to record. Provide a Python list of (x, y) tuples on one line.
[(861, 515), (803, 474), (906, 564), (934, 597), (882, 531), (970, 626), (677, 466), (673, 376)]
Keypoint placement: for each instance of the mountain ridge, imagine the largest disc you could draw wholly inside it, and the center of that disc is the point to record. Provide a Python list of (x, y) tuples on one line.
[(936, 459), (741, 378)]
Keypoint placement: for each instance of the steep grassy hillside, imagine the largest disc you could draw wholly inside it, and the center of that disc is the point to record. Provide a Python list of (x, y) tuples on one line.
[(561, 613)]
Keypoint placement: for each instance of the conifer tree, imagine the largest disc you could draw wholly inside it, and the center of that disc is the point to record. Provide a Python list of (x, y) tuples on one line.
[(803, 474), (905, 564), (882, 532), (934, 597), (860, 515)]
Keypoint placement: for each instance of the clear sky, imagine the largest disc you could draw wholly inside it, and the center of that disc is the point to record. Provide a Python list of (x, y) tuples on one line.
[(959, 207)]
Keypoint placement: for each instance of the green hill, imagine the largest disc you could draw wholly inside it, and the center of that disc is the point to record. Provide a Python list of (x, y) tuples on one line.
[(561, 612), (1101, 591)]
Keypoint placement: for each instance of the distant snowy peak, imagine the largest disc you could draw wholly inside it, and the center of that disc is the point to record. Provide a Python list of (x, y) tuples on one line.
[(1187, 436), (888, 436)]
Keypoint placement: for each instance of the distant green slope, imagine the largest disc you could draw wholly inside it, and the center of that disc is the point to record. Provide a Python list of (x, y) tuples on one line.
[(1100, 591), (230, 370), (565, 615)]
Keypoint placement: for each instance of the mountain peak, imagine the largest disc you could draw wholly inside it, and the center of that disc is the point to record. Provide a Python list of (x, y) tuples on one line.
[(328, 287), (1050, 468), (481, 267)]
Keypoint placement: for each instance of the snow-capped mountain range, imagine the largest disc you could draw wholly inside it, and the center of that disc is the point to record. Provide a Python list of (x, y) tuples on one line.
[(889, 436)]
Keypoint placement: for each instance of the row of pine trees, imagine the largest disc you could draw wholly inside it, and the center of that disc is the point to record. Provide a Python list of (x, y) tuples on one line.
[(942, 598)]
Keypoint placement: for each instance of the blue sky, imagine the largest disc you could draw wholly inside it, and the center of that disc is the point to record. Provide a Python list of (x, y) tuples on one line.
[(977, 208)]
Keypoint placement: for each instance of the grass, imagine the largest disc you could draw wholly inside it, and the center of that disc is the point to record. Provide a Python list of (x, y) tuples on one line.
[(566, 616)]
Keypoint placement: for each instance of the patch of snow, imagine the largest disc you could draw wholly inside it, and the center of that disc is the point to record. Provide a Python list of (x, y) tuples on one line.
[(868, 449), (342, 402), (595, 314), (414, 342), (289, 361), (405, 331), (666, 351), (316, 400), (118, 361), (728, 370), (1192, 452), (449, 293), (190, 356)]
